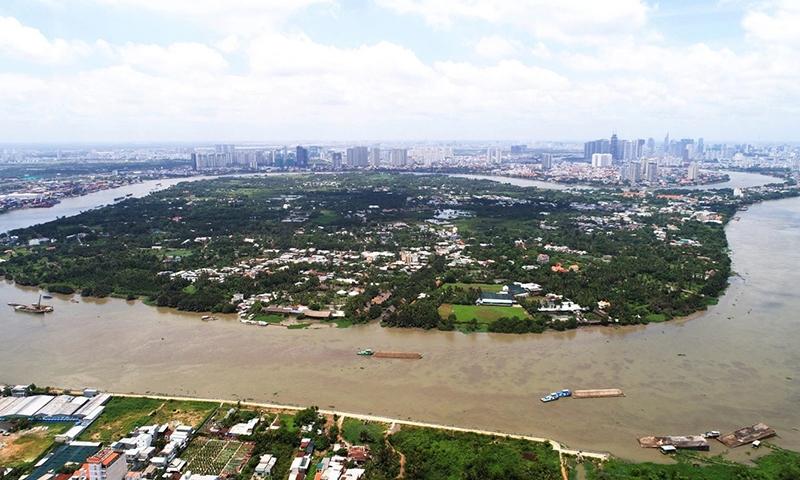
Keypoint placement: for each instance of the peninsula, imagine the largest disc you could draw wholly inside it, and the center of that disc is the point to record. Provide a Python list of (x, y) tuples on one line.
[(408, 250)]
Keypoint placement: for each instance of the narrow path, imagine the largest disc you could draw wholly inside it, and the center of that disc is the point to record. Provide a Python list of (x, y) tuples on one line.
[(558, 447)]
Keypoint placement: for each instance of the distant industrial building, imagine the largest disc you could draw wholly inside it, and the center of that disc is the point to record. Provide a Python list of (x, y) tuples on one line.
[(48, 408)]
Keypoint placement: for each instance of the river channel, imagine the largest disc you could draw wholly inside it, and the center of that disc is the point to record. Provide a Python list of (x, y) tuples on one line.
[(735, 365)]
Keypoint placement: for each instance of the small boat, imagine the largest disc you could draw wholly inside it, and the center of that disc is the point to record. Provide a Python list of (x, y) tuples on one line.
[(564, 393), (209, 318), (129, 195), (712, 434), (549, 398), (117, 199), (365, 352), (74, 301), (47, 295)]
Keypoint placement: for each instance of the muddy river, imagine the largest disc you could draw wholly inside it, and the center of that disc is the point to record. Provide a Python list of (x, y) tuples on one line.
[(736, 365)]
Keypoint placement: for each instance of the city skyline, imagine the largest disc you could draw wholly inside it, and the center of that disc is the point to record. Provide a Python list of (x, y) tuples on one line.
[(400, 70)]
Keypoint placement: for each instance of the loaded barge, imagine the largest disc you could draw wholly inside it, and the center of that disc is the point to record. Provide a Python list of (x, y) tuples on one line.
[(386, 354), (37, 308)]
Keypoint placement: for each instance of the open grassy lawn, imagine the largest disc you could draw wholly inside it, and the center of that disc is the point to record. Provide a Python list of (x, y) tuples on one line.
[(25, 447), (269, 318), (123, 414), (484, 314), (485, 287), (176, 252), (352, 428), (326, 217)]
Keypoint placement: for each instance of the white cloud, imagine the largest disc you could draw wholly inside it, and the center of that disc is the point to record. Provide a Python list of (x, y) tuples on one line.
[(232, 16), (494, 46), (568, 21), (27, 43), (775, 21), (178, 57), (540, 50)]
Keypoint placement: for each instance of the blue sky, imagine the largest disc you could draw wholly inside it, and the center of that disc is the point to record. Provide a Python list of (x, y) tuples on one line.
[(358, 70)]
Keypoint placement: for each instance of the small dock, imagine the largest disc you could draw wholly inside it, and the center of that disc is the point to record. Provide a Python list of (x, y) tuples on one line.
[(689, 442), (387, 354), (598, 393), (746, 435)]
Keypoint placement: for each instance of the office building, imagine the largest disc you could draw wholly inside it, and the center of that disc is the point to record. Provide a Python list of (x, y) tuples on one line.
[(301, 159)]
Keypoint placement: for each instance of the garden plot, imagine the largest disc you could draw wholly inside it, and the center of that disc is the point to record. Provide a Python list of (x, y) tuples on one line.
[(209, 456)]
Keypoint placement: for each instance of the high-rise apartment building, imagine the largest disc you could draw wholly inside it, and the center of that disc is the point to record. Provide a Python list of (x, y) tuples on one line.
[(547, 161), (375, 156), (601, 160), (635, 172), (651, 173), (596, 146), (336, 160), (357, 157), (398, 157), (694, 171)]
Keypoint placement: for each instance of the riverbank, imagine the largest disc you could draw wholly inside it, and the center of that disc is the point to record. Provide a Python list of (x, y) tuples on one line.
[(557, 446), (682, 377)]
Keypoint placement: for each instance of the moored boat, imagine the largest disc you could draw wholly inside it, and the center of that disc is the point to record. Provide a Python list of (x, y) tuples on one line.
[(35, 308)]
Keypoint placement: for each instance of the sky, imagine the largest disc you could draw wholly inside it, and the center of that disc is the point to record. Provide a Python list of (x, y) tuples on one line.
[(398, 70)]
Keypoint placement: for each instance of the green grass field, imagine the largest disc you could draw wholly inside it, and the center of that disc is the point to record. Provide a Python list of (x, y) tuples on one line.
[(269, 318), (326, 217), (485, 287), (484, 314), (25, 448), (352, 428), (123, 414)]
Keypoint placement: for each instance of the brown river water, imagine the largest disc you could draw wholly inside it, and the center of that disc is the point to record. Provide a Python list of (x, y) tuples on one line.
[(735, 365)]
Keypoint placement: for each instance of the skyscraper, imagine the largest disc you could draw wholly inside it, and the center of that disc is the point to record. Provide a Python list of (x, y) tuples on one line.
[(615, 150), (336, 159), (302, 157)]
